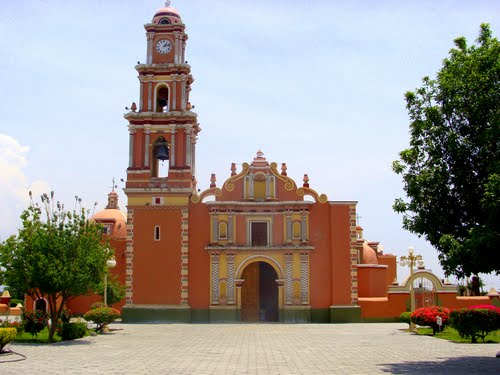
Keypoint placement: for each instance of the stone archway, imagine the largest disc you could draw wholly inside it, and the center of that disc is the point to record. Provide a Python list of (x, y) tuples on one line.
[(259, 293)]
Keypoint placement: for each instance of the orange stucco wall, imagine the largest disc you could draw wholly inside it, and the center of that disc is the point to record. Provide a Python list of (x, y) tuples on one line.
[(372, 281), (389, 260), (341, 257), (157, 264), (320, 258)]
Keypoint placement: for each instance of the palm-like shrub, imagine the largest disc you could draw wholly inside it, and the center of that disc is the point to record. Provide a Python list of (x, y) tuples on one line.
[(427, 316)]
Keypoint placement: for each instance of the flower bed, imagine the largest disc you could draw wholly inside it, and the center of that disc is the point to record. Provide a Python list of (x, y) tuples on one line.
[(427, 316)]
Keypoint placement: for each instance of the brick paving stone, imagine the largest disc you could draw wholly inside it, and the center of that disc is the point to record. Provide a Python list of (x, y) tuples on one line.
[(255, 349)]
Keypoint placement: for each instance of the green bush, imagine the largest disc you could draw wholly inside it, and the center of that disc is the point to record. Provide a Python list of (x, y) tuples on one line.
[(7, 335), (14, 324), (73, 331), (405, 317), (475, 322), (102, 316), (427, 316), (34, 321), (96, 305)]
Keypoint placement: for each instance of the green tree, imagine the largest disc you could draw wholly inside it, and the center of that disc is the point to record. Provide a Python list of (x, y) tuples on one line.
[(451, 171), (57, 254), (115, 290)]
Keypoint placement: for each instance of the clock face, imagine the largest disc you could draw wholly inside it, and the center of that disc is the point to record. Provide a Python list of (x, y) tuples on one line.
[(163, 46)]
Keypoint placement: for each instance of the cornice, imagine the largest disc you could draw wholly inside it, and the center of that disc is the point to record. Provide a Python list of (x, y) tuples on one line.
[(159, 115), (259, 203), (148, 190), (266, 249)]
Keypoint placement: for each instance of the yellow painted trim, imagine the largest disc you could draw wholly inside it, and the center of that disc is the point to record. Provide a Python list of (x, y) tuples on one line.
[(229, 183), (311, 192), (207, 193)]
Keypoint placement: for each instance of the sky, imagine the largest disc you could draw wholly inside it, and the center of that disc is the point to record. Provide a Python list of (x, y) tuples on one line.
[(317, 84)]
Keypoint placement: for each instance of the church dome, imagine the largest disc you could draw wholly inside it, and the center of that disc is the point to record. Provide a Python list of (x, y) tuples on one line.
[(369, 254), (167, 15), (112, 218)]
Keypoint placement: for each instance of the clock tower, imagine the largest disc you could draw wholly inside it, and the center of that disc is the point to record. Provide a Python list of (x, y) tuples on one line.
[(161, 172)]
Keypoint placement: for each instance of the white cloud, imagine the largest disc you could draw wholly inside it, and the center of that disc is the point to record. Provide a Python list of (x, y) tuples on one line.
[(14, 184)]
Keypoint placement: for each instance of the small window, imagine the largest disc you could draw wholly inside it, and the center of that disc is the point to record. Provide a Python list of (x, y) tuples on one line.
[(259, 234), (222, 231), (164, 21), (296, 230), (106, 230), (157, 233)]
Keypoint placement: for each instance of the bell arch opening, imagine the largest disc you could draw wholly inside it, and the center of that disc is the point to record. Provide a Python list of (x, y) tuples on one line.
[(162, 99), (161, 156)]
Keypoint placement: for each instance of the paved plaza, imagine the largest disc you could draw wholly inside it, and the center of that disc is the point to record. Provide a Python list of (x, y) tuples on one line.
[(255, 349)]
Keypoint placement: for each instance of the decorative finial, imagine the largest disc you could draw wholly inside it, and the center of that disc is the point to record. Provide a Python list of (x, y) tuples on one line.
[(233, 169), (167, 3), (283, 169), (212, 181), (306, 181), (113, 186)]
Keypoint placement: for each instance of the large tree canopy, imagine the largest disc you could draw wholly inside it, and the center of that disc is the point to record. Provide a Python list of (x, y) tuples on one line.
[(57, 254), (451, 171)]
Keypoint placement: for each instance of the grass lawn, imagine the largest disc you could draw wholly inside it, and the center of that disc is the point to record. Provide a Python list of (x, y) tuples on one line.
[(41, 338), (452, 335)]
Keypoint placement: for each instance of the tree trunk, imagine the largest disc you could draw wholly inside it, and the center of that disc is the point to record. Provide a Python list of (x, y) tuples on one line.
[(55, 313)]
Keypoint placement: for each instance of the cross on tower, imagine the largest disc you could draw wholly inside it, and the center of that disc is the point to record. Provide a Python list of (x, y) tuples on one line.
[(113, 187)]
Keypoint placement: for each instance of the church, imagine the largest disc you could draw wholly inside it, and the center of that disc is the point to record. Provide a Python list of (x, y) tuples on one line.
[(258, 247)]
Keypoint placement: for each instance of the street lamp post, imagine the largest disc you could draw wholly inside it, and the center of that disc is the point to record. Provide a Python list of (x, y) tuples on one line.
[(110, 263), (410, 261)]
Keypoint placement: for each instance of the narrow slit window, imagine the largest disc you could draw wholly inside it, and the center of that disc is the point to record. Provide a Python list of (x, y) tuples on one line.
[(157, 233)]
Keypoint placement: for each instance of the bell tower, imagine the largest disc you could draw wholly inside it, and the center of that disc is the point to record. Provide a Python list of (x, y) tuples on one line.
[(163, 128), (161, 171)]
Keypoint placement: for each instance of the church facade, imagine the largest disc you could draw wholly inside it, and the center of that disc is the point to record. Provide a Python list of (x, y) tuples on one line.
[(256, 250)]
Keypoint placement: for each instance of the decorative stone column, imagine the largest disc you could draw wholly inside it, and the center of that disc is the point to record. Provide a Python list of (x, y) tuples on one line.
[(288, 279), (288, 220), (230, 225), (188, 147), (131, 147), (146, 145), (303, 226), (149, 55), (230, 279), (215, 279), (172, 147), (304, 278)]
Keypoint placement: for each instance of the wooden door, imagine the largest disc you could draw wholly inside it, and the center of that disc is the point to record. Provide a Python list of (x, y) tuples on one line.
[(250, 293)]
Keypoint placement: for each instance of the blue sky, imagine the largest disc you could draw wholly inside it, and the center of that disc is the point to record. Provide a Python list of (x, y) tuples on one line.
[(316, 84)]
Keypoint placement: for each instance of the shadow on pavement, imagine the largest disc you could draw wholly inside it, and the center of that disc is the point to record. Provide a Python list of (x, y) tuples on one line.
[(462, 365)]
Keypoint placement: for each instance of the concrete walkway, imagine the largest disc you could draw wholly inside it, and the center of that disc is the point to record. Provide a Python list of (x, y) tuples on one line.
[(255, 349)]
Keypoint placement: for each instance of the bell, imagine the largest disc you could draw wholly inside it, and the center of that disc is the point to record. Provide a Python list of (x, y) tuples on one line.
[(162, 102), (161, 152)]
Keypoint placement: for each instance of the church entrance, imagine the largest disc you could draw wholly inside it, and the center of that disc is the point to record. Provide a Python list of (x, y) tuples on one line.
[(259, 293)]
